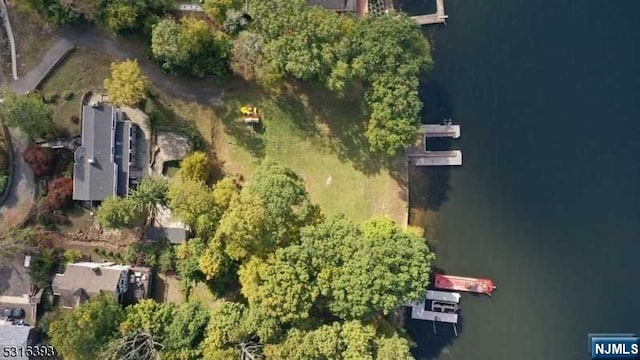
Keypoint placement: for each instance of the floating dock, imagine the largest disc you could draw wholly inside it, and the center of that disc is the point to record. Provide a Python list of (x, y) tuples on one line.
[(460, 283), (419, 155), (438, 17), (441, 131), (450, 297)]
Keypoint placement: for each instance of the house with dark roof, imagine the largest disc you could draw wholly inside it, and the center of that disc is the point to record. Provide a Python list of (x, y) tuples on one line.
[(104, 165), (84, 280)]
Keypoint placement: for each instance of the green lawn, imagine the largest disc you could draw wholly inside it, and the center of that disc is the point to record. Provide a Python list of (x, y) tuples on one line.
[(318, 136), (81, 71)]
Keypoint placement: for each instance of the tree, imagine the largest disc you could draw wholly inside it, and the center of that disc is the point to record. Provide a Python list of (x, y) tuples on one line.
[(117, 212), (187, 265), (148, 316), (121, 16), (41, 267), (167, 46), (217, 9), (235, 21), (134, 346), (286, 287), (247, 55), (393, 348), (242, 232), (59, 193), (227, 327), (384, 269), (127, 85), (40, 160), (190, 48), (81, 333), (187, 330), (195, 167), (285, 199), (151, 194), (192, 202), (214, 262), (29, 113)]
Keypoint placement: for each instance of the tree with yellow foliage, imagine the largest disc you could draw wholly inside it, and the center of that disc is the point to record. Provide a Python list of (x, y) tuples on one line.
[(127, 85)]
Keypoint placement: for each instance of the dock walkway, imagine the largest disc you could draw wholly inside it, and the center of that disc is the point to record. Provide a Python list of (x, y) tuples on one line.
[(438, 17)]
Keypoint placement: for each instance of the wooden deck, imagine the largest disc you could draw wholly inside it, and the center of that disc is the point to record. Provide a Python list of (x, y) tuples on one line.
[(438, 17)]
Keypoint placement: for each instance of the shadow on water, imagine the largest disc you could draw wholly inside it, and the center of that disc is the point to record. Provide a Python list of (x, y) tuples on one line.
[(429, 187), (435, 98), (439, 338)]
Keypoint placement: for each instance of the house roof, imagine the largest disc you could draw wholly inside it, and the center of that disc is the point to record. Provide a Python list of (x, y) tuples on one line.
[(94, 171), (14, 335), (14, 277), (83, 280), (175, 235), (335, 5)]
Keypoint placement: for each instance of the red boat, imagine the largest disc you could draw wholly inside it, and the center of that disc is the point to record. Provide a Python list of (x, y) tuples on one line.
[(459, 283)]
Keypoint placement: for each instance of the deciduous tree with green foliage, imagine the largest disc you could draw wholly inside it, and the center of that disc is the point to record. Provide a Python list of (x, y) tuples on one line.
[(192, 202), (127, 85), (216, 10), (81, 333), (151, 194), (186, 332), (190, 47), (118, 212), (195, 167), (148, 316), (27, 112), (121, 16)]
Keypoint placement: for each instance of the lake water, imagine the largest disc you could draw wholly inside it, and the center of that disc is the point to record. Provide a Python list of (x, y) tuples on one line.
[(547, 202)]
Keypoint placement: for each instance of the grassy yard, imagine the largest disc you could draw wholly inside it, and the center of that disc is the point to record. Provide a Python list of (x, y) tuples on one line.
[(81, 71), (33, 35), (309, 130)]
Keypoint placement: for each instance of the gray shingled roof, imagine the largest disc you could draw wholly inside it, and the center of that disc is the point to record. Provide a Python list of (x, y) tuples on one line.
[(335, 5), (14, 335), (80, 282), (94, 168)]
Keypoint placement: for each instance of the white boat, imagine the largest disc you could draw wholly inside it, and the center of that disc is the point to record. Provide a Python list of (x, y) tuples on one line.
[(450, 297)]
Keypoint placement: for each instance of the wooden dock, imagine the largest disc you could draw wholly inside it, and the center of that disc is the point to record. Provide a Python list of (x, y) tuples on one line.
[(419, 155), (438, 17)]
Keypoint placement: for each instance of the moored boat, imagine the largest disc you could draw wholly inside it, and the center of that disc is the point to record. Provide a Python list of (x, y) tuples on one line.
[(460, 283)]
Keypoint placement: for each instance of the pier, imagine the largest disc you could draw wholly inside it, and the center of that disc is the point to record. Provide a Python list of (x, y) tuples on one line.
[(420, 155), (438, 17)]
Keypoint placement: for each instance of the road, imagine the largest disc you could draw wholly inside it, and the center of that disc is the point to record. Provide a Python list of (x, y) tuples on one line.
[(22, 191)]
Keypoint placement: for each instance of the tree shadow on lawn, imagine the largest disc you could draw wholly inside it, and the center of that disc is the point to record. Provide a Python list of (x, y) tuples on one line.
[(344, 118)]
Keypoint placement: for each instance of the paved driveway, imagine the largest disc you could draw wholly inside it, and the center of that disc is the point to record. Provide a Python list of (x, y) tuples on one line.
[(22, 191)]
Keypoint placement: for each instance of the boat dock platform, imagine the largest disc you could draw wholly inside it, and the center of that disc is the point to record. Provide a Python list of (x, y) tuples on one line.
[(460, 283), (419, 155), (418, 312), (438, 17)]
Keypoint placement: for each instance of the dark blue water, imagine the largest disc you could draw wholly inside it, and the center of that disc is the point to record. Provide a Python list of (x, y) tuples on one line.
[(547, 202)]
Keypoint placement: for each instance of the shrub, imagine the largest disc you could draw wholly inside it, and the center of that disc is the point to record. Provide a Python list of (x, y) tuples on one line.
[(59, 194), (75, 119), (40, 160), (72, 255), (4, 161)]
